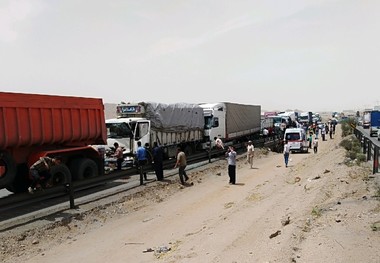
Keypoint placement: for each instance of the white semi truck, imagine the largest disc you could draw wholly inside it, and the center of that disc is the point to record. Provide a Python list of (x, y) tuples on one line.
[(168, 124), (231, 122)]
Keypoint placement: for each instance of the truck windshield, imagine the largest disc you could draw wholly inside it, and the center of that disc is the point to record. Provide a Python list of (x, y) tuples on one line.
[(276, 119), (208, 122), (293, 136), (211, 122), (118, 130)]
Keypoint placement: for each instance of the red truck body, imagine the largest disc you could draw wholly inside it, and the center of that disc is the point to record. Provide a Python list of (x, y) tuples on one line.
[(34, 125)]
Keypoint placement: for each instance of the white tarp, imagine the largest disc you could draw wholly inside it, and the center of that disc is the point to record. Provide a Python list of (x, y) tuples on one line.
[(175, 117)]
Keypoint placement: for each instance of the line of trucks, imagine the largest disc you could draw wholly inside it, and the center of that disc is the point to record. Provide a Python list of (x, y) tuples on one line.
[(371, 121), (35, 125)]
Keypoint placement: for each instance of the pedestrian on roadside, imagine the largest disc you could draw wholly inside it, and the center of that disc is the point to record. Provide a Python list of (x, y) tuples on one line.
[(218, 143), (181, 164), (315, 145), (310, 139), (40, 171), (286, 152), (142, 160), (265, 133), (158, 158), (250, 153), (323, 133), (331, 131), (231, 159), (118, 155)]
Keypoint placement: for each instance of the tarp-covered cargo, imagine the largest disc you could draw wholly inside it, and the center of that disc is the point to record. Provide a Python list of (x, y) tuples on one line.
[(174, 117), (242, 119)]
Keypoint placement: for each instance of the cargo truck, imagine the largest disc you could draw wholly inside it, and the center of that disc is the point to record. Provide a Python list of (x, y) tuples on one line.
[(170, 125), (231, 122), (366, 118), (34, 125), (375, 123)]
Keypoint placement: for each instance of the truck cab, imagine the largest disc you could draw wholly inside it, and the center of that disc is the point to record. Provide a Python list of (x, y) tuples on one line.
[(215, 117)]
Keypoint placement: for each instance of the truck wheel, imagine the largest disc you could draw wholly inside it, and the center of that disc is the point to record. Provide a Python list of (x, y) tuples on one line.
[(84, 168), (21, 181), (8, 169), (60, 175)]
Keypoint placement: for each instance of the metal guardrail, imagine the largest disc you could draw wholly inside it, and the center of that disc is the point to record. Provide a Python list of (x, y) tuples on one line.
[(370, 149)]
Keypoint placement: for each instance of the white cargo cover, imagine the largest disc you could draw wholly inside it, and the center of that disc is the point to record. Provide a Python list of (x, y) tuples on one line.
[(175, 117), (241, 118)]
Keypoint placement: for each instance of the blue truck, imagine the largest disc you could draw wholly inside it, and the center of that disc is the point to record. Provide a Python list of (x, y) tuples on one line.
[(375, 123)]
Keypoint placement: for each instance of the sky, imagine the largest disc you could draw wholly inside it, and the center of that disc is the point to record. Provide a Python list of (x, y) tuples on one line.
[(310, 55)]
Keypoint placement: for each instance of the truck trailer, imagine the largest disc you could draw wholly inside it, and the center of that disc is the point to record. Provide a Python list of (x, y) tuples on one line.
[(170, 125), (231, 122), (375, 123), (34, 125)]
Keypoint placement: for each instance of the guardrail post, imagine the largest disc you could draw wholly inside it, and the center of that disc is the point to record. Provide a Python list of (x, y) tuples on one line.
[(368, 150), (71, 192), (375, 160), (141, 175), (364, 145)]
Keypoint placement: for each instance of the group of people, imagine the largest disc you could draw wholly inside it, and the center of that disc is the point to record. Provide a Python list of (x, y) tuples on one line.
[(40, 169)]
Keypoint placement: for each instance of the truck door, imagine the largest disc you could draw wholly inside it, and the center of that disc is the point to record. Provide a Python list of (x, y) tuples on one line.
[(142, 132)]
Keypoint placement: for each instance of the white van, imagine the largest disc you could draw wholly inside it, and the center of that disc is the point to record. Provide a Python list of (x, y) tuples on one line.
[(297, 139)]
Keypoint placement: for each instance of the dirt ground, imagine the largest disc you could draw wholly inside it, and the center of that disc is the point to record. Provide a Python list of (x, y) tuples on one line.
[(316, 210)]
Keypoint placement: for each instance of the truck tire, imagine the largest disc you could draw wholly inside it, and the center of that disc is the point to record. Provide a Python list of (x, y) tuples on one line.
[(21, 181), (60, 175), (83, 168), (8, 169)]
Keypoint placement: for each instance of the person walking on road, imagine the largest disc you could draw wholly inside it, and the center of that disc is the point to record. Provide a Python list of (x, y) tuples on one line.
[(310, 139), (250, 153), (141, 156), (231, 159), (315, 145), (158, 157), (40, 171), (181, 164), (286, 152)]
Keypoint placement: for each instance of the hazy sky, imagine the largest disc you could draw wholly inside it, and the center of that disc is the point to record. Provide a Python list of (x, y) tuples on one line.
[(312, 55)]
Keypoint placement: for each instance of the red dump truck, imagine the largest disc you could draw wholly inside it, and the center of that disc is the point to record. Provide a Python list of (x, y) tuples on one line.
[(34, 125)]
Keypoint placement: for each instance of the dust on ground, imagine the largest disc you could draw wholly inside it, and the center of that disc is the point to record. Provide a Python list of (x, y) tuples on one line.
[(316, 210)]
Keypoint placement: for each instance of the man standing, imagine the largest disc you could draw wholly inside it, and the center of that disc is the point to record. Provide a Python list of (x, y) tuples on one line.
[(181, 164), (231, 158), (250, 153), (158, 157), (142, 160), (40, 171), (286, 152), (118, 155)]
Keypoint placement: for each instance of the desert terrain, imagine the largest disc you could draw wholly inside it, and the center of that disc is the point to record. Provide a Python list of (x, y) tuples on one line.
[(316, 210)]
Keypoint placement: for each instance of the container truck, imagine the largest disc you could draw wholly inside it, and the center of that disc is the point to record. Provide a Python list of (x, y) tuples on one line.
[(366, 118), (375, 123), (34, 125), (168, 124), (231, 122)]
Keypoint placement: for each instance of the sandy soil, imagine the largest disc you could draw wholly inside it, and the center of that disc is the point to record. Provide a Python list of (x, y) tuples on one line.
[(316, 210)]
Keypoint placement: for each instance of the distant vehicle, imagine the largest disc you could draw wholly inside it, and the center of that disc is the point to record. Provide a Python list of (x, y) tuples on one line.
[(375, 123), (305, 117), (297, 140), (366, 119)]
